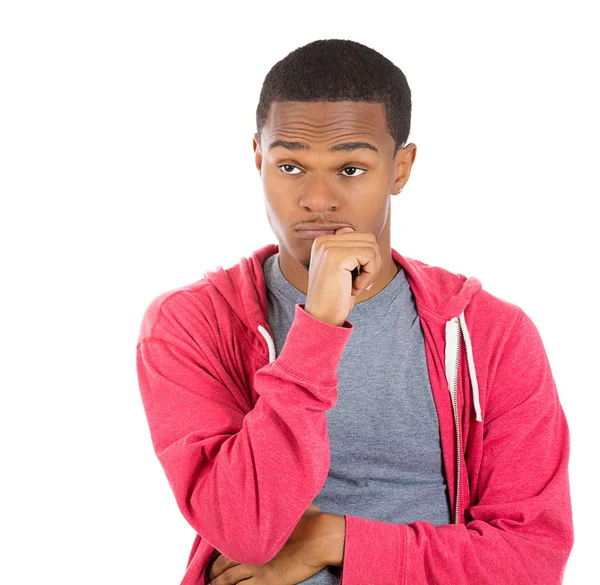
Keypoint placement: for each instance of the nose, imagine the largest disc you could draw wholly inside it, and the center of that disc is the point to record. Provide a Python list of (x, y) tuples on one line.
[(319, 196)]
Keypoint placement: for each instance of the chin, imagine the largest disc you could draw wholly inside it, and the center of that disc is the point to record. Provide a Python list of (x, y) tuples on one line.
[(304, 262), (298, 255)]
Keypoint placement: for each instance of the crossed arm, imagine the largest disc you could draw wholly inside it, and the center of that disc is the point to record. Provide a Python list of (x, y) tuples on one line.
[(317, 541)]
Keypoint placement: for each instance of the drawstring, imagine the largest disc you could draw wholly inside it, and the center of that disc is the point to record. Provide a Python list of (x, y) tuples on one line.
[(471, 362), (451, 341), (269, 341), (451, 348)]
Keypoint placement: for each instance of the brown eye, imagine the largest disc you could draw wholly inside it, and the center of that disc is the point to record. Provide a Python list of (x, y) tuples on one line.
[(356, 169), (288, 165)]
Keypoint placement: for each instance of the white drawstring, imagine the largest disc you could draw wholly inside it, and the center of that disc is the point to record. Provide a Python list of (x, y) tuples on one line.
[(471, 363), (269, 341), (451, 340)]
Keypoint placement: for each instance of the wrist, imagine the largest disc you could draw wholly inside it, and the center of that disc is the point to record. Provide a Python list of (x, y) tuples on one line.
[(331, 531)]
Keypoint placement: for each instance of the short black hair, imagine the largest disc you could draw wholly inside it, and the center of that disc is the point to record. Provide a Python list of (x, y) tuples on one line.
[(337, 70)]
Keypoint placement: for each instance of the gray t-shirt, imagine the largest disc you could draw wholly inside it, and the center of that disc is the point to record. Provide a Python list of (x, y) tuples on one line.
[(386, 458)]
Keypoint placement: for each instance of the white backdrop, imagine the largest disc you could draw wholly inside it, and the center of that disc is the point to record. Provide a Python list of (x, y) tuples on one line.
[(126, 169)]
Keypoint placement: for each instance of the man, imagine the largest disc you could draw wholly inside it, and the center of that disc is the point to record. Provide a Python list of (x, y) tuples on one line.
[(328, 410)]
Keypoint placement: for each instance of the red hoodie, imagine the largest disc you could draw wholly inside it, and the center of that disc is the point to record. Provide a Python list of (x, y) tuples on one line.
[(242, 435)]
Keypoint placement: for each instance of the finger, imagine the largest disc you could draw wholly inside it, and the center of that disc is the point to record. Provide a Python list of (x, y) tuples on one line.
[(219, 566), (210, 572), (368, 261), (370, 268), (349, 230), (357, 285), (234, 574), (349, 243)]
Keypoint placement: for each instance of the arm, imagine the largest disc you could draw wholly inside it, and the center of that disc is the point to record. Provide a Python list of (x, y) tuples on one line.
[(521, 529), (242, 476), (332, 534), (332, 550)]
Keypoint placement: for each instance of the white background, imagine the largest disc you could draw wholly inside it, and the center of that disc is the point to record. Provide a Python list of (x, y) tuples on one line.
[(127, 170)]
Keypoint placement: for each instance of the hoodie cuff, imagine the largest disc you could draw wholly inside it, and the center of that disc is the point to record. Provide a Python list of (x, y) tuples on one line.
[(374, 552), (313, 349)]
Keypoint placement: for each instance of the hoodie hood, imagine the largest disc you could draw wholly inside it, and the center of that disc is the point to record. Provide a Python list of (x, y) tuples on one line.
[(441, 296)]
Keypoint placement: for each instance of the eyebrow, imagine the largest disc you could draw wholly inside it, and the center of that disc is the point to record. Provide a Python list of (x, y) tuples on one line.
[(337, 148)]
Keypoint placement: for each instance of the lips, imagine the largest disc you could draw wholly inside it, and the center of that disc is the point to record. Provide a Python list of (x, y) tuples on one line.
[(320, 226), (312, 234)]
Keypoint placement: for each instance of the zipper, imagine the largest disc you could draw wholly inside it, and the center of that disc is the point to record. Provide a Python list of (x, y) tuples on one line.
[(456, 423)]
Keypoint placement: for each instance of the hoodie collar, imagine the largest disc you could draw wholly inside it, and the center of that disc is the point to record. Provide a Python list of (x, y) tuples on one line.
[(440, 295)]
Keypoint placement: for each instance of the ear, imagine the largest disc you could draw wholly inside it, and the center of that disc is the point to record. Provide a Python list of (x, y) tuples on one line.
[(404, 160), (257, 152)]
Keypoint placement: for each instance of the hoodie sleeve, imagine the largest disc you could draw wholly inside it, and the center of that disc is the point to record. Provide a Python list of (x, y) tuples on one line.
[(520, 531), (242, 476)]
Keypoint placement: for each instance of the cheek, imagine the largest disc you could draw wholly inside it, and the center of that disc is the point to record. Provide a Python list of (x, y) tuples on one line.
[(276, 210)]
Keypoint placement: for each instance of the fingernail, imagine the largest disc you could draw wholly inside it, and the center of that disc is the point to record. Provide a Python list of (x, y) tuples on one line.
[(369, 287)]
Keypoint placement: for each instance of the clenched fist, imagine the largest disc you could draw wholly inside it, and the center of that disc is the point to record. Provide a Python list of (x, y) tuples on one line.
[(331, 290)]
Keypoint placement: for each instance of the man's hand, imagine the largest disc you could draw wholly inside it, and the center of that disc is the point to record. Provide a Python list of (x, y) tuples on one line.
[(332, 291), (298, 560)]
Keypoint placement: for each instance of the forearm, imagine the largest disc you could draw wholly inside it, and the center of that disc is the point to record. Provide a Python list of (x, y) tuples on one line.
[(332, 534)]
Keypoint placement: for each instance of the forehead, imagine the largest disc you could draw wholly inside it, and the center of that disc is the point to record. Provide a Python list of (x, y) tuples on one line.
[(326, 121)]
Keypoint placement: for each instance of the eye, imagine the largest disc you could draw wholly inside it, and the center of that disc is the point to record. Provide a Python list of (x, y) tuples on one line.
[(285, 165), (345, 168), (356, 169)]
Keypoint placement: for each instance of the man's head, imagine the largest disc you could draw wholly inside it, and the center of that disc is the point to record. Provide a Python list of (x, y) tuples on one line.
[(319, 97)]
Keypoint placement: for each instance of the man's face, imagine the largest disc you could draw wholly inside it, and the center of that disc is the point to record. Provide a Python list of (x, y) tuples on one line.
[(350, 186)]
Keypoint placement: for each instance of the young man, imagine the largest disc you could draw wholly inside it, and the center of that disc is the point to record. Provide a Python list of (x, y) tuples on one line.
[(328, 410)]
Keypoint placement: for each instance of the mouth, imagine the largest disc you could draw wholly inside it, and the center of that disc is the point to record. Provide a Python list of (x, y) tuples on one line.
[(312, 234)]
